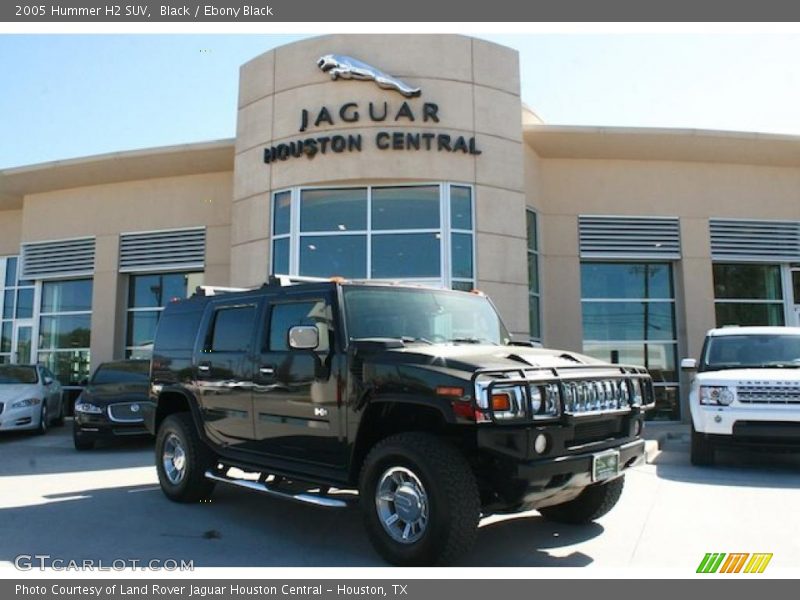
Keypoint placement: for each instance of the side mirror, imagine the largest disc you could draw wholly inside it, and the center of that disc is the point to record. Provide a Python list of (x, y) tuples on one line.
[(48, 380), (304, 337), (688, 364)]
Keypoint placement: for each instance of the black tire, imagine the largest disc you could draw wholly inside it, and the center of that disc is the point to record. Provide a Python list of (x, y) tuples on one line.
[(592, 503), (198, 458), (43, 420), (702, 451), (82, 441), (453, 501)]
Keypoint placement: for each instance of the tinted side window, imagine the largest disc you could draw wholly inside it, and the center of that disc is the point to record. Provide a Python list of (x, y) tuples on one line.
[(177, 330), (285, 316), (232, 329)]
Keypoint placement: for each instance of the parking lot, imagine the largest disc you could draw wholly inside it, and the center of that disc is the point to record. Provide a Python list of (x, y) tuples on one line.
[(106, 504)]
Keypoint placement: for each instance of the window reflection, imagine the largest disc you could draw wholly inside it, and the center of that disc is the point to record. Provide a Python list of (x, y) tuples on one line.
[(628, 312)]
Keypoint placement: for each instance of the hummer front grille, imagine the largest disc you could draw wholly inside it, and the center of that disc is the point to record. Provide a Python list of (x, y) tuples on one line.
[(596, 396), (547, 393), (768, 393)]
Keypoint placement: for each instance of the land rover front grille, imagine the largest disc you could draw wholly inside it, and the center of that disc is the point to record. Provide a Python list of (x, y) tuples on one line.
[(768, 393), (128, 412), (596, 395)]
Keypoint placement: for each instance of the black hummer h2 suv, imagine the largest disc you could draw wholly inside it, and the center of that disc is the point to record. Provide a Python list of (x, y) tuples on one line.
[(415, 397)]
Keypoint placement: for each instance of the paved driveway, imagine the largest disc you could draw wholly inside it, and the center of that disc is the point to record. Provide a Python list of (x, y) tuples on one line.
[(106, 504)]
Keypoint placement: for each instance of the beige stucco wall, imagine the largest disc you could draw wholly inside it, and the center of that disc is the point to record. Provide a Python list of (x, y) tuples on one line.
[(693, 191), (10, 231), (105, 211), (476, 87)]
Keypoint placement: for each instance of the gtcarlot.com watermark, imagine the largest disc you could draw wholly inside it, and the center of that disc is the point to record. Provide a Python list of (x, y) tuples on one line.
[(41, 562)]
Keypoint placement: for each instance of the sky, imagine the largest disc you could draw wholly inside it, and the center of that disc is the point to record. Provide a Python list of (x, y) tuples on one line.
[(65, 96)]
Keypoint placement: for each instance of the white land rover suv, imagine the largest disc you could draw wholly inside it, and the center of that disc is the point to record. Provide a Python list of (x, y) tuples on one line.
[(746, 391)]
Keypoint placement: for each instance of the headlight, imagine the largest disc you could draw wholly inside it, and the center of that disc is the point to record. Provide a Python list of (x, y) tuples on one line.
[(636, 399), (716, 395), (87, 407), (24, 403)]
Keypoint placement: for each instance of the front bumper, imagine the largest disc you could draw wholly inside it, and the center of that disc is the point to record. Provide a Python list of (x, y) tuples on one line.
[(773, 426), (96, 426), (20, 419), (515, 485)]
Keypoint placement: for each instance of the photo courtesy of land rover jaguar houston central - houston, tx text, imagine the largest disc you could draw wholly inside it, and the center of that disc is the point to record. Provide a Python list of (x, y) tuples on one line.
[(413, 401)]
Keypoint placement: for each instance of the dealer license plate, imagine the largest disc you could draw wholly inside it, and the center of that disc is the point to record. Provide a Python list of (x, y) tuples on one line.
[(605, 465)]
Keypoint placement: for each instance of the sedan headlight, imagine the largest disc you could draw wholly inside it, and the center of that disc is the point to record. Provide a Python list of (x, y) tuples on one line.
[(714, 395), (87, 407), (24, 403)]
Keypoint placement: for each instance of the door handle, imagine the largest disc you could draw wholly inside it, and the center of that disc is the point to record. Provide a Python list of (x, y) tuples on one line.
[(267, 370), (204, 367)]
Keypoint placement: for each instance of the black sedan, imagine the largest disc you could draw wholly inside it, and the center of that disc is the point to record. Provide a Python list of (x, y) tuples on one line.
[(112, 403)]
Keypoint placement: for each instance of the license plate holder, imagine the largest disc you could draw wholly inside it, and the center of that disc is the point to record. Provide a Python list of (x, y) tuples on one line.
[(605, 465)]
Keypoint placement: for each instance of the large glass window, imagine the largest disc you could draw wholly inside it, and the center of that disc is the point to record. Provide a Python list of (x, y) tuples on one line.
[(408, 232), (534, 295), (748, 294), (65, 325), (16, 296), (148, 294), (629, 318)]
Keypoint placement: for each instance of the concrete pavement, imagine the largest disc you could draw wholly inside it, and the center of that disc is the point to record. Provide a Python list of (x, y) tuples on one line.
[(106, 504)]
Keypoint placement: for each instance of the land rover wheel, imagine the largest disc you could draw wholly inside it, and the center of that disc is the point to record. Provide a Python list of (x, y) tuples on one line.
[(419, 499), (182, 459), (592, 503), (702, 452)]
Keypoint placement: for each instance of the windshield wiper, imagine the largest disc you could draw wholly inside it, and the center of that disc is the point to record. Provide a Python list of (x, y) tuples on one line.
[(778, 365), (471, 340)]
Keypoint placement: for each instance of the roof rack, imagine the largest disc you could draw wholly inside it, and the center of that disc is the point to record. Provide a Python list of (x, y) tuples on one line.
[(216, 290), (286, 280)]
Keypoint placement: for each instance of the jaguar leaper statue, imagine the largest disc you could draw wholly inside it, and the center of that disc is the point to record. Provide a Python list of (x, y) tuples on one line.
[(347, 67)]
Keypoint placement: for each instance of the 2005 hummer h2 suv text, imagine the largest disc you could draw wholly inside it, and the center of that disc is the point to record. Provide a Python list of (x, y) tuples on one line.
[(415, 397)]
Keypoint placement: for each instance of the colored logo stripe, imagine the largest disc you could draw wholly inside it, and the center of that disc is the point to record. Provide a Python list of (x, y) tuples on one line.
[(710, 562), (713, 562), (758, 563)]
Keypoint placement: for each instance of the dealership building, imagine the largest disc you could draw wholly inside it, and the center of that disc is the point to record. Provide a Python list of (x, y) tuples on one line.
[(410, 158)]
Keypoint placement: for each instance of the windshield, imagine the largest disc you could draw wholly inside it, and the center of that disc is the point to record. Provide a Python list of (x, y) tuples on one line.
[(423, 315), (743, 351), (132, 372), (10, 374)]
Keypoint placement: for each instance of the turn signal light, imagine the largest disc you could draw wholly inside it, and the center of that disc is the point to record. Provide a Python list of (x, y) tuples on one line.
[(456, 392), (501, 402)]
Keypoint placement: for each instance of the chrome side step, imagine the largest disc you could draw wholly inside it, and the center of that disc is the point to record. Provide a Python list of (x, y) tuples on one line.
[(256, 486)]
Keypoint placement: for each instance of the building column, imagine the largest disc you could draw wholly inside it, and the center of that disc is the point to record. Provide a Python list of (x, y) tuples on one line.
[(694, 295), (107, 326)]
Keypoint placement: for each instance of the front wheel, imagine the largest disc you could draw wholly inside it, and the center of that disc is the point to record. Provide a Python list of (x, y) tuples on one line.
[(182, 459), (702, 452), (43, 420), (592, 503), (419, 499)]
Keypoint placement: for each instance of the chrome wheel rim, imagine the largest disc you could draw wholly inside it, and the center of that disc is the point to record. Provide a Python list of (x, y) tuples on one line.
[(173, 459), (402, 505)]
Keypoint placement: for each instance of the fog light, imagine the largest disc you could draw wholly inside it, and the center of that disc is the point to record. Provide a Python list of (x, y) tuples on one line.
[(540, 443)]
